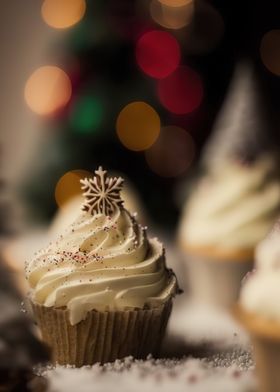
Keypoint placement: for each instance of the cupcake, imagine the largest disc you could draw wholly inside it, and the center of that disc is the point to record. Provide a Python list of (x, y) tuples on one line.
[(259, 311), (101, 291), (235, 201)]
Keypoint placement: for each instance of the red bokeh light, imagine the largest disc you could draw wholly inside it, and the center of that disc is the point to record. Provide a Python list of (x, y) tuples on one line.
[(157, 53), (173, 152), (182, 91), (269, 51)]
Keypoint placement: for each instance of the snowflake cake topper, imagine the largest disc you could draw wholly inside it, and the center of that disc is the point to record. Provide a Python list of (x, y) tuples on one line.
[(102, 193)]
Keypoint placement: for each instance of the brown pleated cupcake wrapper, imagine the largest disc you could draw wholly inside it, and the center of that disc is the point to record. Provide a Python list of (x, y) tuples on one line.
[(267, 357), (102, 336), (215, 282), (265, 336)]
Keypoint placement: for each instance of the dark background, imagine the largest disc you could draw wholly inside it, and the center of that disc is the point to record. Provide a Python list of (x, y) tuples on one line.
[(98, 54)]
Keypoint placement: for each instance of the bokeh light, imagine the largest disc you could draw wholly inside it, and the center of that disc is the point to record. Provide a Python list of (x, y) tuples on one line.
[(270, 51), (87, 114), (173, 152), (170, 16), (175, 3), (47, 90), (182, 91), (206, 33), (62, 14), (138, 126), (68, 186), (157, 53)]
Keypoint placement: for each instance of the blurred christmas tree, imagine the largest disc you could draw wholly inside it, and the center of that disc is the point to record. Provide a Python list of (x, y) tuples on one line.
[(109, 67)]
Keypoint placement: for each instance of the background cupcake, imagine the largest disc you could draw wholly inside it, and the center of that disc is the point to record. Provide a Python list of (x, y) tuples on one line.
[(101, 291), (236, 200), (259, 311)]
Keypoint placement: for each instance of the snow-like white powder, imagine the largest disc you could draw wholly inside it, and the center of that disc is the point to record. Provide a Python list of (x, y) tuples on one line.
[(162, 375), (223, 363)]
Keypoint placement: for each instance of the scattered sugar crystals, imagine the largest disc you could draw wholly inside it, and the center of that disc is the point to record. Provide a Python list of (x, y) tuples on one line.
[(186, 374), (241, 359), (22, 307)]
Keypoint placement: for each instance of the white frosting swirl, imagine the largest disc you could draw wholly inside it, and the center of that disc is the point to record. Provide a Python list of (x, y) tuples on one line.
[(260, 294), (268, 250), (102, 263), (233, 207)]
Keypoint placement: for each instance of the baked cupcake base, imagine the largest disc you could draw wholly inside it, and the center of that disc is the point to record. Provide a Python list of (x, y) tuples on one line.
[(102, 336), (265, 336), (215, 278)]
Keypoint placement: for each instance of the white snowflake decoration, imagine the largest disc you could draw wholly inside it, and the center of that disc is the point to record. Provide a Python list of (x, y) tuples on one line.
[(102, 193)]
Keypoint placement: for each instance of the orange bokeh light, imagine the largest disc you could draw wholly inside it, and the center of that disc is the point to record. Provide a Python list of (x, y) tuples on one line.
[(68, 186), (270, 51), (170, 16), (62, 14), (175, 3), (47, 90), (138, 126), (173, 152)]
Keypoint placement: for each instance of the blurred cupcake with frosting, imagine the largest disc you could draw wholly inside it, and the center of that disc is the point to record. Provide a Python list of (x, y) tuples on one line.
[(235, 202), (101, 290), (258, 311)]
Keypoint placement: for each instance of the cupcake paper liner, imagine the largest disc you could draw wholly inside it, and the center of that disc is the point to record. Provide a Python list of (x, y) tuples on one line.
[(214, 281), (102, 336), (265, 337), (267, 357)]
